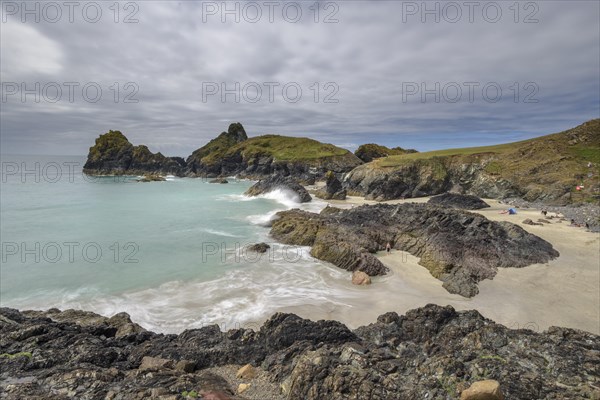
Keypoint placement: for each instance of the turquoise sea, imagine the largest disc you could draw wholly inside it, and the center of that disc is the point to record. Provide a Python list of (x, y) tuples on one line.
[(171, 254)]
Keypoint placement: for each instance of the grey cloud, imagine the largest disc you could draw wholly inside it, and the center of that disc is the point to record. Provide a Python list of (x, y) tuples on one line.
[(368, 54)]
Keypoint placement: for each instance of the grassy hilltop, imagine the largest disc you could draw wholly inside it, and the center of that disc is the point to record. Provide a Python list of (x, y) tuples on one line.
[(546, 167)]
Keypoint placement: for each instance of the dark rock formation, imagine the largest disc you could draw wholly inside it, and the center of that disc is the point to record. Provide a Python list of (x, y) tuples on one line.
[(215, 150), (151, 178), (461, 201), (279, 182), (333, 189), (430, 353), (371, 151), (458, 247), (113, 154), (219, 180), (259, 247)]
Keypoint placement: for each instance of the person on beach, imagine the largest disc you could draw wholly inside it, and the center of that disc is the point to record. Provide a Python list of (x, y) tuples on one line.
[(544, 212), (388, 247)]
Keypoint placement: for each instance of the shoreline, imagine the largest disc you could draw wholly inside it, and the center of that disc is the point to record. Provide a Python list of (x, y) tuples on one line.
[(563, 292)]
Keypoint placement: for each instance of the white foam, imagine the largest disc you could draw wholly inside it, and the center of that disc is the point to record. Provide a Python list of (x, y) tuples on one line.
[(244, 296), (219, 233)]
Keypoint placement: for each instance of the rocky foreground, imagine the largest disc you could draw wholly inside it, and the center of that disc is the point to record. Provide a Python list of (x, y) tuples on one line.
[(430, 353), (458, 247)]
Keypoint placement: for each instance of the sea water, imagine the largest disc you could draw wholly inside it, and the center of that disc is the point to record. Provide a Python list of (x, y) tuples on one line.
[(171, 254)]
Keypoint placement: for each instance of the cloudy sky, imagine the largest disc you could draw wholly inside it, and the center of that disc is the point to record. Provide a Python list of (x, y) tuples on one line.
[(411, 74)]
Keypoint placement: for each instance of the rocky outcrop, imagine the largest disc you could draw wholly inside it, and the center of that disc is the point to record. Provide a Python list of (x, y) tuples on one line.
[(457, 200), (259, 247), (371, 151), (430, 353), (458, 247), (275, 182), (233, 153), (219, 180), (113, 154), (333, 189), (546, 169)]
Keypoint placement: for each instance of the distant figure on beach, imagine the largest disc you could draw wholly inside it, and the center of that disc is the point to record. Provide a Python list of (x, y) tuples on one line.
[(544, 212), (388, 247), (510, 211)]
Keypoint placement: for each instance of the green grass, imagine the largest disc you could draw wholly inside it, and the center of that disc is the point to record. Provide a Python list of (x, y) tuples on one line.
[(392, 161), (587, 153), (281, 148), (21, 354)]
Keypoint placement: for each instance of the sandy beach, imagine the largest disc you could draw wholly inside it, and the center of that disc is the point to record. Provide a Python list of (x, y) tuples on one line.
[(565, 292)]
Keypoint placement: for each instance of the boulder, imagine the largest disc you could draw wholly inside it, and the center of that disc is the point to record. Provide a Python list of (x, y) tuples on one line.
[(333, 189), (219, 180), (151, 178), (360, 278), (155, 364), (528, 221), (259, 247), (483, 390), (242, 387), (280, 182), (461, 201), (246, 372)]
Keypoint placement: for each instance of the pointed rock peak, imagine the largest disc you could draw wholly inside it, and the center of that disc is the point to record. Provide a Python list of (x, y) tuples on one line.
[(236, 131)]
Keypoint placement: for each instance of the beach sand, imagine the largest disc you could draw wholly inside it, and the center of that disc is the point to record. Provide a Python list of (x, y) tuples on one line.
[(565, 292)]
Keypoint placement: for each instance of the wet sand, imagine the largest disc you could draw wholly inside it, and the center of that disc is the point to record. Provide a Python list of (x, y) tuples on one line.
[(564, 292)]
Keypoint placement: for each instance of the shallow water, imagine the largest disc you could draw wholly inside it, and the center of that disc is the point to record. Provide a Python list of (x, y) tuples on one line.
[(170, 253)]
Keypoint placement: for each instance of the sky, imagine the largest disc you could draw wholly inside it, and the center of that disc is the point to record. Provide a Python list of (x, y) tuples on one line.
[(172, 75)]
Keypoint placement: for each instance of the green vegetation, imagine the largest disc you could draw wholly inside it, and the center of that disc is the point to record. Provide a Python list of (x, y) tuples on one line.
[(110, 143), (281, 148), (191, 394), (21, 354), (556, 162)]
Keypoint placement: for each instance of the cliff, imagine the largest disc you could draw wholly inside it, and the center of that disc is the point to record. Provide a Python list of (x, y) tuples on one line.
[(546, 168)]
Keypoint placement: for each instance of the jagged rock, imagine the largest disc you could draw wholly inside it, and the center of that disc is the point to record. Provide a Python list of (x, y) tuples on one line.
[(151, 178), (430, 352), (219, 180), (461, 201), (483, 390), (333, 188), (371, 151), (279, 182), (259, 247), (360, 278), (458, 247), (113, 154)]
